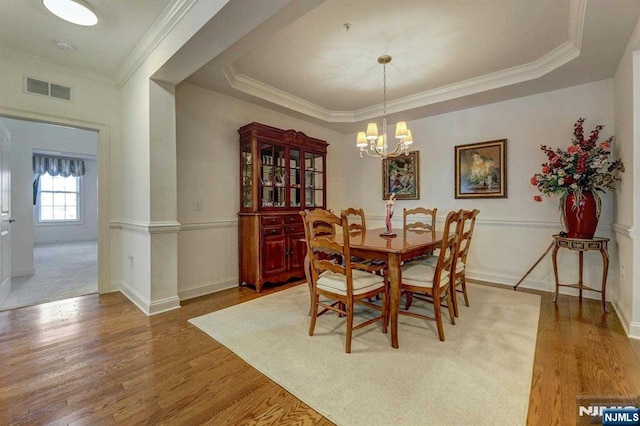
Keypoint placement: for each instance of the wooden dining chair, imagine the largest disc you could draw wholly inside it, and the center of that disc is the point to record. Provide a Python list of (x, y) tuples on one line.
[(459, 281), (319, 229), (433, 283), (419, 219), (464, 232), (357, 228), (357, 221), (339, 281)]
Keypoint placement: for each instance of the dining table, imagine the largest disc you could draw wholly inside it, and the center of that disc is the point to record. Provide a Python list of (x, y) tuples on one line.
[(373, 244)]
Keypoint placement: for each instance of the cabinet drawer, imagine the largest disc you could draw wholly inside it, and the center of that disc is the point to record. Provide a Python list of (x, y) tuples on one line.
[(294, 229), (272, 231), (272, 220), (293, 218)]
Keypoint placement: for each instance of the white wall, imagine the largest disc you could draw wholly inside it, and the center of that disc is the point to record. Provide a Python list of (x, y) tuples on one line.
[(511, 233), (208, 159), (627, 116)]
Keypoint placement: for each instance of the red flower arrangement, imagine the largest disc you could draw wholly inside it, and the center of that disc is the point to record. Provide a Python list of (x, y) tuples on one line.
[(585, 165)]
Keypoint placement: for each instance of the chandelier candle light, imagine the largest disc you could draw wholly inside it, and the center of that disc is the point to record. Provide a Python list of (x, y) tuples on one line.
[(375, 144)]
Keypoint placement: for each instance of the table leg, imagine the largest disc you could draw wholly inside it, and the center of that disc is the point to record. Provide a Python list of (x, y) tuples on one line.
[(580, 265), (395, 277), (605, 269), (554, 256)]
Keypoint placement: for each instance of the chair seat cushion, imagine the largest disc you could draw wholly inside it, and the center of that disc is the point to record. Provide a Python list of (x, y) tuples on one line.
[(363, 282), (421, 275), (433, 260)]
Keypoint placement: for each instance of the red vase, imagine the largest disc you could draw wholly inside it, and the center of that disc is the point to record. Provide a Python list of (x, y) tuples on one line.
[(581, 218)]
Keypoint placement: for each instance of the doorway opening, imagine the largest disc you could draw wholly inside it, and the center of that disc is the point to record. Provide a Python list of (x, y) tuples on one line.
[(67, 222)]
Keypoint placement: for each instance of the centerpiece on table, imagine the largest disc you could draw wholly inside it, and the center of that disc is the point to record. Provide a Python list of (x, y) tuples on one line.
[(578, 174)]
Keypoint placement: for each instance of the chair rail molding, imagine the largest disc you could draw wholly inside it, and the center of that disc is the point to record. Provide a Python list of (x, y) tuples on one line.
[(490, 222), (209, 224), (623, 230), (160, 227)]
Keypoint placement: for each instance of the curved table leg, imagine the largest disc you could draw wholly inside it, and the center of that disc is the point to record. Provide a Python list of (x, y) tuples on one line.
[(605, 269), (555, 271)]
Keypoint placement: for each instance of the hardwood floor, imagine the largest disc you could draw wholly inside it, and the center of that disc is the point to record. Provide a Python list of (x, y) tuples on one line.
[(579, 351), (99, 360)]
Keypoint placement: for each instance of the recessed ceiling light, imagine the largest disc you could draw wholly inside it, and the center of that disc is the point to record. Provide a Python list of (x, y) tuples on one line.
[(74, 11), (63, 45)]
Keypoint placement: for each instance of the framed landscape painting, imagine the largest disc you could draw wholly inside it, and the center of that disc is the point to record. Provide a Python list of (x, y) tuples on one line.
[(481, 170), (401, 176)]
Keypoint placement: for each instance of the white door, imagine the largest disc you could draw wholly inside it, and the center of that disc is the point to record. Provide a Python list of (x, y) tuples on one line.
[(5, 213)]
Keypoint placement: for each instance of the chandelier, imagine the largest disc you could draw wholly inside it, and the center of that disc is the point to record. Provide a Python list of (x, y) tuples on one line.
[(376, 144)]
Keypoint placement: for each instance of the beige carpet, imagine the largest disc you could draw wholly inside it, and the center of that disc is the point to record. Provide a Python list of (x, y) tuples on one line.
[(62, 271), (480, 375)]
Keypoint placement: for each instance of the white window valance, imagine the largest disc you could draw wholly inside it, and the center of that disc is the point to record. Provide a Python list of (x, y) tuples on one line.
[(55, 166)]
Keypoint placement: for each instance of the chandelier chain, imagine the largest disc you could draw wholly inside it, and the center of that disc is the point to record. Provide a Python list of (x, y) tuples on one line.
[(384, 91)]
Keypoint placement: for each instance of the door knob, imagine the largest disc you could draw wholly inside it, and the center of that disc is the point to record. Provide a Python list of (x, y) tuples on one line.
[(11, 220)]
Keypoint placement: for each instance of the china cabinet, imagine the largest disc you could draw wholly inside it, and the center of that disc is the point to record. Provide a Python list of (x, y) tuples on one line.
[(281, 173)]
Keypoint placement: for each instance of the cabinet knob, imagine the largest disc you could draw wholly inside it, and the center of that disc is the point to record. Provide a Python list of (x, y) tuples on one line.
[(273, 231)]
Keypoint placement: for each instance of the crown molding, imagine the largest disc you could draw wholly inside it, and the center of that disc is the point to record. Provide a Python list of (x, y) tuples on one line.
[(256, 88), (261, 90), (162, 26), (554, 59), (577, 12), (16, 55)]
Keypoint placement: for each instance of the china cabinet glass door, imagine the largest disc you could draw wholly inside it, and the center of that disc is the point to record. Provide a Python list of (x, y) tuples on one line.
[(246, 175), (314, 179), (295, 178), (273, 172)]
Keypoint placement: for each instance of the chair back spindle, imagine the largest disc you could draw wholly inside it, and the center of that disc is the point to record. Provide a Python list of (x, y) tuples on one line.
[(419, 219)]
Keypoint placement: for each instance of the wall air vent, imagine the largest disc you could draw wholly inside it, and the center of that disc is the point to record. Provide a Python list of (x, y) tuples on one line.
[(44, 88)]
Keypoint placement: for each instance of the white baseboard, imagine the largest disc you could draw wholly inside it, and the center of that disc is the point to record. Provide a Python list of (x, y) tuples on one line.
[(144, 304), (22, 272), (164, 305), (154, 308), (208, 288), (5, 289), (634, 330), (530, 284), (630, 327)]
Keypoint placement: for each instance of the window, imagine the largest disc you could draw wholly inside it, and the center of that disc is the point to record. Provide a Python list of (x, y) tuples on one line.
[(59, 198)]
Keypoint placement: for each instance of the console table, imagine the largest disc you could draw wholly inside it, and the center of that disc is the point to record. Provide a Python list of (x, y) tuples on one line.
[(581, 245)]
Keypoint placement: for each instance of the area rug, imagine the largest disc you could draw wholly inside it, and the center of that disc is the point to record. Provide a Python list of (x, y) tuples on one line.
[(481, 373)]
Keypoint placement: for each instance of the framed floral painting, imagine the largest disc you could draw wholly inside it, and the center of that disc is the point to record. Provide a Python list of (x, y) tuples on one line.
[(481, 170), (401, 176)]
